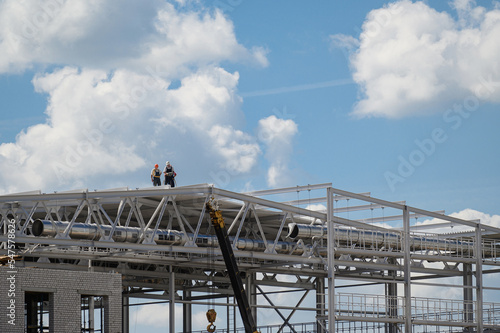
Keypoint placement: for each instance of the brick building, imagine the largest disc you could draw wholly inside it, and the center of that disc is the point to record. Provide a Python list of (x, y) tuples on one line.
[(59, 301)]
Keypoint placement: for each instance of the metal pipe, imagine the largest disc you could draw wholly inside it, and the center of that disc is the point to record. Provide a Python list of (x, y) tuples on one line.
[(388, 239), (47, 228)]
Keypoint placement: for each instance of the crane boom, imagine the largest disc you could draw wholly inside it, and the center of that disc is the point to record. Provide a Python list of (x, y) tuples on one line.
[(232, 267)]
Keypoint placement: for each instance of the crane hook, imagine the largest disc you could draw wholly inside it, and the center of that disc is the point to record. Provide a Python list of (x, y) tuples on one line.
[(211, 315)]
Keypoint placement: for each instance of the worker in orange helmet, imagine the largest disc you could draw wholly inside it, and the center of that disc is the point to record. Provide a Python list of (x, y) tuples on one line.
[(155, 176)]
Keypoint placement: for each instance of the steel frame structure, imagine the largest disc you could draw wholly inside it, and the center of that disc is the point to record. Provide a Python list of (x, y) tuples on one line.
[(160, 240)]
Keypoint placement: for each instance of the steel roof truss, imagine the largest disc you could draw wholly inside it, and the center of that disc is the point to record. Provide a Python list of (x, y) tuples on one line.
[(160, 207), (278, 235), (121, 207), (192, 242), (259, 225), (233, 223), (80, 207), (240, 226)]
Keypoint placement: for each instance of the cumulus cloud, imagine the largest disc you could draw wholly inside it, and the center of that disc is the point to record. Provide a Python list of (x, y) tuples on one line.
[(71, 32), (100, 123), (116, 34), (277, 135), (237, 148), (468, 215), (129, 84), (413, 59), (317, 207)]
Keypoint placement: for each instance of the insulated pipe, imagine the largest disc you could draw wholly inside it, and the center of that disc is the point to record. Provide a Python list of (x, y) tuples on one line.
[(301, 231), (46, 228), (387, 239), (91, 232)]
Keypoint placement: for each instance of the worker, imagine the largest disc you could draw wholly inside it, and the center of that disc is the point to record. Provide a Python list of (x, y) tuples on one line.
[(155, 176), (169, 174)]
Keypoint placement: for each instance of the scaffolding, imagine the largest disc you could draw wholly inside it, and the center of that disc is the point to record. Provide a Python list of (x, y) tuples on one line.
[(349, 261)]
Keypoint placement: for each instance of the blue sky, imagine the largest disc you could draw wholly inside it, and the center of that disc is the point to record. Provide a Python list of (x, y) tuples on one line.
[(399, 99), (286, 60)]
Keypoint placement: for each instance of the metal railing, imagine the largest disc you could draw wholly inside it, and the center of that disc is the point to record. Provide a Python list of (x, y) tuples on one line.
[(372, 306), (423, 309)]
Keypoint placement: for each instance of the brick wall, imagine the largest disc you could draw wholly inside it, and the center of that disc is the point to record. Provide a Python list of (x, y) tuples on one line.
[(65, 289)]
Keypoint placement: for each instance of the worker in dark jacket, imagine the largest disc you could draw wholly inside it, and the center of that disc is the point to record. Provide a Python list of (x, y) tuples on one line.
[(155, 176), (169, 174)]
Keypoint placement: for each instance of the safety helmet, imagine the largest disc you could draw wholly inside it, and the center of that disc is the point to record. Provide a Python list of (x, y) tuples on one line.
[(156, 165), (167, 163)]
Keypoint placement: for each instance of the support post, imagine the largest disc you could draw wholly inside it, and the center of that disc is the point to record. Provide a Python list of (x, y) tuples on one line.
[(171, 320), (331, 260), (479, 280), (468, 294), (186, 311), (125, 313), (407, 269), (391, 296), (228, 314), (91, 314), (252, 294), (320, 304)]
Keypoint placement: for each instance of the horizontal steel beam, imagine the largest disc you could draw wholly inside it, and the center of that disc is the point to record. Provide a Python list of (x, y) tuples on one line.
[(148, 192), (289, 189), (415, 210)]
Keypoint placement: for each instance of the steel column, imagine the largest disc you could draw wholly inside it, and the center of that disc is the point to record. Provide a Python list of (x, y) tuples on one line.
[(407, 270), (479, 279), (125, 313), (320, 303), (91, 314), (251, 290), (171, 320), (331, 260), (468, 294), (186, 311), (391, 294)]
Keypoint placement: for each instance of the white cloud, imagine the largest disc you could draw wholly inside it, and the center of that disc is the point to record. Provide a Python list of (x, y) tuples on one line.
[(277, 135), (196, 38), (111, 125), (468, 215), (317, 207), (156, 315), (238, 149), (413, 59), (116, 34), (344, 42), (469, 14), (133, 84), (71, 32)]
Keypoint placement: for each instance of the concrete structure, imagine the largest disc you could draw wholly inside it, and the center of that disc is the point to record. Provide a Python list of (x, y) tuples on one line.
[(354, 263)]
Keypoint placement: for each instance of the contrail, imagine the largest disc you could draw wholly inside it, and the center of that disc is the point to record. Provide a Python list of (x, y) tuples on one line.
[(301, 87)]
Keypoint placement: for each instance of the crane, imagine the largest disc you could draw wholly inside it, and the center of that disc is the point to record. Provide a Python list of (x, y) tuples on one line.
[(232, 269)]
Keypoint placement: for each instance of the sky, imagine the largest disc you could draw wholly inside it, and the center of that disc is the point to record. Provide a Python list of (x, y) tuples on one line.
[(396, 98)]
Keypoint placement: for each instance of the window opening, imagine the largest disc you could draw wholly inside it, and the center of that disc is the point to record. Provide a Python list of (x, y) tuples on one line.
[(36, 312), (92, 313)]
